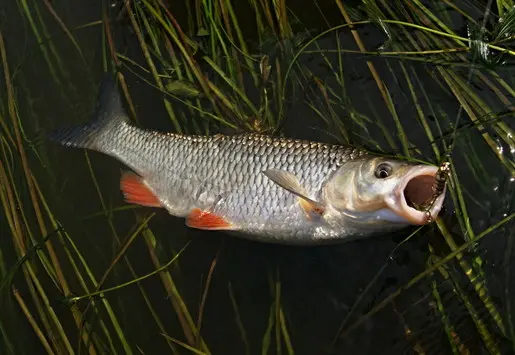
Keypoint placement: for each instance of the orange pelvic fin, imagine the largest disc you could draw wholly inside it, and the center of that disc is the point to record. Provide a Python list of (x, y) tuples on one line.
[(136, 191), (206, 220)]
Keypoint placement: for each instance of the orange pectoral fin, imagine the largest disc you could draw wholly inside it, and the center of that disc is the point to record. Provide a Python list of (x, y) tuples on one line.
[(311, 209), (206, 220), (137, 192)]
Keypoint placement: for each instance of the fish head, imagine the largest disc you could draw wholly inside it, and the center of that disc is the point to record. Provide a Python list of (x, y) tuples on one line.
[(384, 190)]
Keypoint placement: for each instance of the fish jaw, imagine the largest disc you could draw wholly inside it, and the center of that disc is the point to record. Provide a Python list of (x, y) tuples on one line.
[(416, 185)]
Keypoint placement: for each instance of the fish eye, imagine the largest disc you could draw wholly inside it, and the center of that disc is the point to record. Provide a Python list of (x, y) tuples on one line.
[(383, 171)]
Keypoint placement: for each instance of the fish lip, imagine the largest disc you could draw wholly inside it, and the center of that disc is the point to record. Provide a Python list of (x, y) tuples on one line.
[(397, 201)]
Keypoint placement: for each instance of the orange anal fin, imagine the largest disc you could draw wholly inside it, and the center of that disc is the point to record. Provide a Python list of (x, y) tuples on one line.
[(312, 211), (136, 191), (206, 220)]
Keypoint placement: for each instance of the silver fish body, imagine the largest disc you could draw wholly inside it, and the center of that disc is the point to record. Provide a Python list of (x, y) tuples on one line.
[(221, 182)]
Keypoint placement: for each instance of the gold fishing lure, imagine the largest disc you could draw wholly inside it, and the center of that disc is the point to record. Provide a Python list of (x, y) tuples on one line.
[(441, 177)]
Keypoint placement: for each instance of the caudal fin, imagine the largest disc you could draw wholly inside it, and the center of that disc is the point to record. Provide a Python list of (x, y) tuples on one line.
[(108, 117)]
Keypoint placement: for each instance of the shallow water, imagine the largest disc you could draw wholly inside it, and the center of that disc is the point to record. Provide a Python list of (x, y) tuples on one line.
[(319, 286)]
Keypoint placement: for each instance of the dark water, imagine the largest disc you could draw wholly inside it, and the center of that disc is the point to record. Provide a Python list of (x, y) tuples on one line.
[(319, 285)]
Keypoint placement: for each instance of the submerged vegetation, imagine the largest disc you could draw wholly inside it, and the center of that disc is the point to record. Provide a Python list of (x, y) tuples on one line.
[(424, 80)]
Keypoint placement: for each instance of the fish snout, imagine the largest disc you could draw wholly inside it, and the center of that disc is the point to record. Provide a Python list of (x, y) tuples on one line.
[(415, 197)]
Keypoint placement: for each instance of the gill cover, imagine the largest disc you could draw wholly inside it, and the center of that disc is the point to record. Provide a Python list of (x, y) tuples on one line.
[(365, 188)]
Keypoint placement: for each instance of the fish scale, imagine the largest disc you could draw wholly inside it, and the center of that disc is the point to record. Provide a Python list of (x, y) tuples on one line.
[(229, 169), (317, 192)]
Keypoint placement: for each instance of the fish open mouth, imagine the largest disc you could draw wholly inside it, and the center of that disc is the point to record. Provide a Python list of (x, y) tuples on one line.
[(419, 191), (414, 198)]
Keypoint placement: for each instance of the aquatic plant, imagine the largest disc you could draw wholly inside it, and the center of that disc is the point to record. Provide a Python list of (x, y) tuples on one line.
[(436, 87)]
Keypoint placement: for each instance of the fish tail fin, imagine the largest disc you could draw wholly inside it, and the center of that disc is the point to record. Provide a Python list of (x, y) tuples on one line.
[(108, 117)]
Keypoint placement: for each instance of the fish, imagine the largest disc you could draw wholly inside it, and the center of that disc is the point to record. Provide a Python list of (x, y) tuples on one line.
[(260, 187)]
